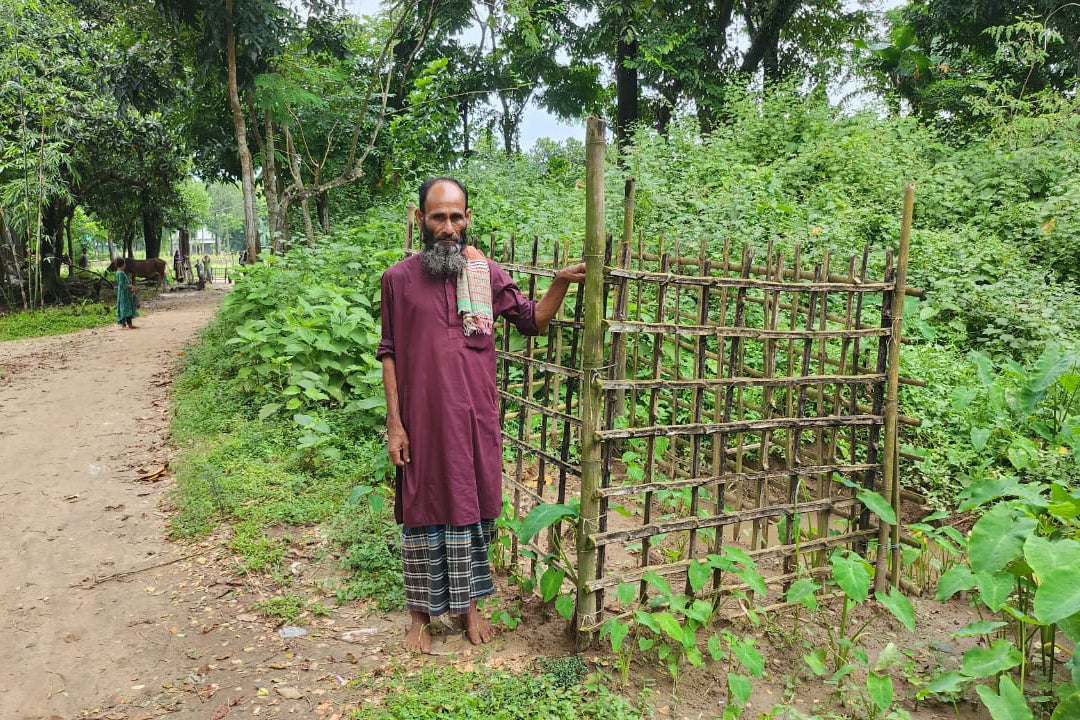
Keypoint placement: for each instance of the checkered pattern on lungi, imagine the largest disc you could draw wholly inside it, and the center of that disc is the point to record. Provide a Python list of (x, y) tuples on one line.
[(446, 566)]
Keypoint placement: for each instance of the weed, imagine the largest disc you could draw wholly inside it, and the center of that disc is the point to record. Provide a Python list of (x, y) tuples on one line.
[(372, 550), (288, 607), (447, 692)]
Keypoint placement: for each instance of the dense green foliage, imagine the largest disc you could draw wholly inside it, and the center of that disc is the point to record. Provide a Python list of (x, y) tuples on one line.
[(290, 367), (450, 693)]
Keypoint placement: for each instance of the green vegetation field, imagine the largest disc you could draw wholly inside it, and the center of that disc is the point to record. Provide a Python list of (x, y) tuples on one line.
[(284, 390), (301, 131)]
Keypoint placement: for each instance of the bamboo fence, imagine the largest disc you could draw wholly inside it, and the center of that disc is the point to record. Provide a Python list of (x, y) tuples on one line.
[(692, 398)]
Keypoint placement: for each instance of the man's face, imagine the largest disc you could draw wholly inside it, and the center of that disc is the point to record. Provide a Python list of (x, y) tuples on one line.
[(444, 223)]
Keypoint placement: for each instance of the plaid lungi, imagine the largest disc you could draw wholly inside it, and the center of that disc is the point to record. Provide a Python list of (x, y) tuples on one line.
[(446, 567)]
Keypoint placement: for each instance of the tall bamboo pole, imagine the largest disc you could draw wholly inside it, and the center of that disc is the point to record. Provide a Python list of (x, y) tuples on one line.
[(889, 475), (592, 360), (620, 311)]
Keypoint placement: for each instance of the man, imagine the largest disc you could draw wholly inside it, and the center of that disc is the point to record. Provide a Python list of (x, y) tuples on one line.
[(442, 419)]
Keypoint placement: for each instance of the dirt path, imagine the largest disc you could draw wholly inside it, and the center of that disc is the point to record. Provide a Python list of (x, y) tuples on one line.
[(84, 416), (102, 616)]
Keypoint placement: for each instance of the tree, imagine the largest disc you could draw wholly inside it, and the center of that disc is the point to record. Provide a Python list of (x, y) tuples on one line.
[(239, 38), (673, 54), (952, 64)]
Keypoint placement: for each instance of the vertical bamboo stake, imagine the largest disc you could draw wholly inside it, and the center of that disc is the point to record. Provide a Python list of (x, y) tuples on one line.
[(890, 480), (620, 312), (410, 218), (592, 360)]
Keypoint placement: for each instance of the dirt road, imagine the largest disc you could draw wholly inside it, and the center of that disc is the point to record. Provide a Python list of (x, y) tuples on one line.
[(101, 617), (84, 415)]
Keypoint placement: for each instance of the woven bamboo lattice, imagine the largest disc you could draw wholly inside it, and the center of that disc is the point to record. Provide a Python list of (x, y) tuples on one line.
[(740, 399)]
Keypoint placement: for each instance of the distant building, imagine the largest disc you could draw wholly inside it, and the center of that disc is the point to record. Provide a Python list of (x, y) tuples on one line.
[(203, 243)]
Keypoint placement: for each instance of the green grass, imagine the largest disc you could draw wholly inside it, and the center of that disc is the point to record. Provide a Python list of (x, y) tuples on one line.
[(55, 321), (487, 694)]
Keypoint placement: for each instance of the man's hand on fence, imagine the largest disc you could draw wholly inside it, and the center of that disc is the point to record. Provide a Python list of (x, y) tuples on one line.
[(572, 273)]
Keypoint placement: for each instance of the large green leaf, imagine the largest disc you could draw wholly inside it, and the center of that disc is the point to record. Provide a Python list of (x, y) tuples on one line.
[(878, 505), (995, 588), (898, 604), (1009, 704), (1069, 709), (948, 683), (1051, 365), (956, 579), (740, 687), (670, 625), (803, 591), (980, 627), (1056, 564), (852, 574), (749, 656), (551, 582), (998, 538), (880, 688), (542, 516), (698, 574), (980, 662), (1070, 627)]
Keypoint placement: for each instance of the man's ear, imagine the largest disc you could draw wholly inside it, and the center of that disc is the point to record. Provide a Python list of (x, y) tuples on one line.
[(419, 217), (468, 217)]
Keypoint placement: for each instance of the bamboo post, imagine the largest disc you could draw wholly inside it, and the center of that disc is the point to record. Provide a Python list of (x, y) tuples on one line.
[(410, 218), (592, 360), (620, 312), (889, 475)]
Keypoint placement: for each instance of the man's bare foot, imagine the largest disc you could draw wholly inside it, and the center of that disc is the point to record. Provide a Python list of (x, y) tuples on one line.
[(477, 627), (418, 636)]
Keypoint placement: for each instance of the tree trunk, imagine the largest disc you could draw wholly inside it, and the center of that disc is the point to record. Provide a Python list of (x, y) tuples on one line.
[(185, 252), (322, 205), (464, 105), (270, 187), (626, 89), (151, 223), (294, 166), (247, 167)]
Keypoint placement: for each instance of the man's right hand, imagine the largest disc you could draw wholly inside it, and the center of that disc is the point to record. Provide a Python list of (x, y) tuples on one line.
[(397, 444)]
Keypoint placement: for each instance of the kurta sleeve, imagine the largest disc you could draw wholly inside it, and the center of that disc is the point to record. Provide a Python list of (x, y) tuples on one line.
[(507, 301), (386, 343)]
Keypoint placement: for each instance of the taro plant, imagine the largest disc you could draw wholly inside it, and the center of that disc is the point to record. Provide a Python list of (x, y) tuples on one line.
[(1023, 553), (669, 625), (844, 657), (556, 564), (1023, 562)]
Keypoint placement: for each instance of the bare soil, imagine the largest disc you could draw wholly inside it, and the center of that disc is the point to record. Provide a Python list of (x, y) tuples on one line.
[(104, 618)]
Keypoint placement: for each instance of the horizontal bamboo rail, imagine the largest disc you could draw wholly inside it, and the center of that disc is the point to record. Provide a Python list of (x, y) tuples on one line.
[(761, 270), (720, 519), (747, 282), (729, 478), (679, 566), (741, 381), (740, 426), (744, 332)]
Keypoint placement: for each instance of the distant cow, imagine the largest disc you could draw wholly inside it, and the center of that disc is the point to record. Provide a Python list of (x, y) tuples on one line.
[(151, 268)]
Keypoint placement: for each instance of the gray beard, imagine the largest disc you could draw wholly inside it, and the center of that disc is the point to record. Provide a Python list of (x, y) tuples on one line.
[(443, 262)]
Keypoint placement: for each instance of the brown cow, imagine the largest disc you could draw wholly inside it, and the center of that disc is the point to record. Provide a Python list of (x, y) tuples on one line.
[(150, 268)]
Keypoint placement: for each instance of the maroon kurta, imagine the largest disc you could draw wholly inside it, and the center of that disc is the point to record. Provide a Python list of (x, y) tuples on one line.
[(447, 394)]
